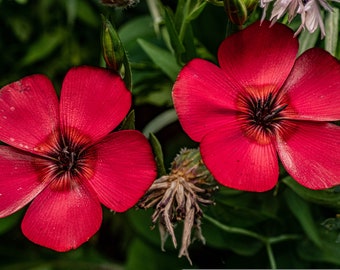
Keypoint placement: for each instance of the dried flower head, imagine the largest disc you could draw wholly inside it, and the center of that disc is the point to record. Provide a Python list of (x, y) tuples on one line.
[(177, 197)]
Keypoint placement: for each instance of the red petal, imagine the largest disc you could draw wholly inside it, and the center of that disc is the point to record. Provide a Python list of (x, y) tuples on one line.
[(19, 182), (311, 154), (203, 98), (28, 112), (313, 86), (240, 163), (93, 102), (259, 55), (125, 169), (63, 220)]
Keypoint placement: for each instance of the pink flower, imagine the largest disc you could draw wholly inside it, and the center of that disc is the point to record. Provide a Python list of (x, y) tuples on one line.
[(64, 157), (261, 103)]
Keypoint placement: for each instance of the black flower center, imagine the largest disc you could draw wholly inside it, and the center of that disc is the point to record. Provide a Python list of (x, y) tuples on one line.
[(265, 113), (67, 159)]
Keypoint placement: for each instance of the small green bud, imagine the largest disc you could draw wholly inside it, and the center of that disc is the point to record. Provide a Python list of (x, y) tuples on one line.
[(239, 10), (113, 50)]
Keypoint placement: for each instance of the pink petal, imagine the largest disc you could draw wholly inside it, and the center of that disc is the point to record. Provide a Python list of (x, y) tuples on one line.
[(93, 102), (260, 55), (125, 169), (313, 86), (203, 98), (240, 163), (19, 181), (63, 220), (28, 112), (311, 154)]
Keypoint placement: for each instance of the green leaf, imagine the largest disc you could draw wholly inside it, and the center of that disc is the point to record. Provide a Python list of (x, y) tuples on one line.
[(303, 213), (43, 47), (162, 58), (160, 121), (129, 121), (157, 151), (308, 40), (327, 197), (332, 31), (176, 43), (329, 251), (240, 244), (138, 27), (146, 257)]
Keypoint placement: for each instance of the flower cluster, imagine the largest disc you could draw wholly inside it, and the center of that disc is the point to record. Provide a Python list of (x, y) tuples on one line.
[(177, 197), (309, 10)]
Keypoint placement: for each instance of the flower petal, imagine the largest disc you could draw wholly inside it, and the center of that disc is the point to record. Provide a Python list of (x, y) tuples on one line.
[(93, 102), (311, 154), (259, 55), (203, 98), (19, 181), (63, 220), (125, 169), (29, 112), (313, 86), (240, 163)]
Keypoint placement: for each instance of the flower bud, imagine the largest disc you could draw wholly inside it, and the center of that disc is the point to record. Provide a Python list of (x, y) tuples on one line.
[(239, 10), (113, 50)]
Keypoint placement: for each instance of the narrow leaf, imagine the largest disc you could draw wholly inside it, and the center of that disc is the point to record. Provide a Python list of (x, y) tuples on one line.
[(162, 58), (332, 31), (157, 150), (303, 213)]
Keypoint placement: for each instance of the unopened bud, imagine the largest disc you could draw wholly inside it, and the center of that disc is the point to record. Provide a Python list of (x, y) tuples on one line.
[(113, 50), (239, 10)]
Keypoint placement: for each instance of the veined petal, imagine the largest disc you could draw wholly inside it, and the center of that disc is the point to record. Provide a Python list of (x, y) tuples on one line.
[(311, 154), (93, 102), (240, 163), (63, 220), (19, 181), (125, 169), (313, 86), (29, 112), (203, 98), (260, 55)]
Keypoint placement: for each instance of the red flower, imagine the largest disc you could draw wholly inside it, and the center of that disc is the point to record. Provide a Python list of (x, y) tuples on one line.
[(260, 103), (64, 157)]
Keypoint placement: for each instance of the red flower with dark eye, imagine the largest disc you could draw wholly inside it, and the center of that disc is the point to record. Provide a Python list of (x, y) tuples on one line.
[(64, 157), (263, 102)]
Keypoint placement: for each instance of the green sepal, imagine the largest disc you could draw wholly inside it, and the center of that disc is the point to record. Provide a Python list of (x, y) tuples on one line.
[(129, 121), (158, 152)]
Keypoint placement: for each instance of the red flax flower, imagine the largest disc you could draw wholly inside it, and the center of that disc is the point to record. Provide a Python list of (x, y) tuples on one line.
[(262, 103), (63, 156)]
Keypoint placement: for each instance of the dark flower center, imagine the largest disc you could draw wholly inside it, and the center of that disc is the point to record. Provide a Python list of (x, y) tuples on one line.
[(265, 113), (261, 115), (67, 160), (67, 165)]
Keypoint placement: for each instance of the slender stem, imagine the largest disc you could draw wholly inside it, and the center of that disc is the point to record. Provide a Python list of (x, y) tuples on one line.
[(267, 241), (235, 230), (270, 255)]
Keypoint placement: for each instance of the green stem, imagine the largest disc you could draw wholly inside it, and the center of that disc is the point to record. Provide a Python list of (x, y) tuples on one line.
[(267, 241), (270, 255)]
